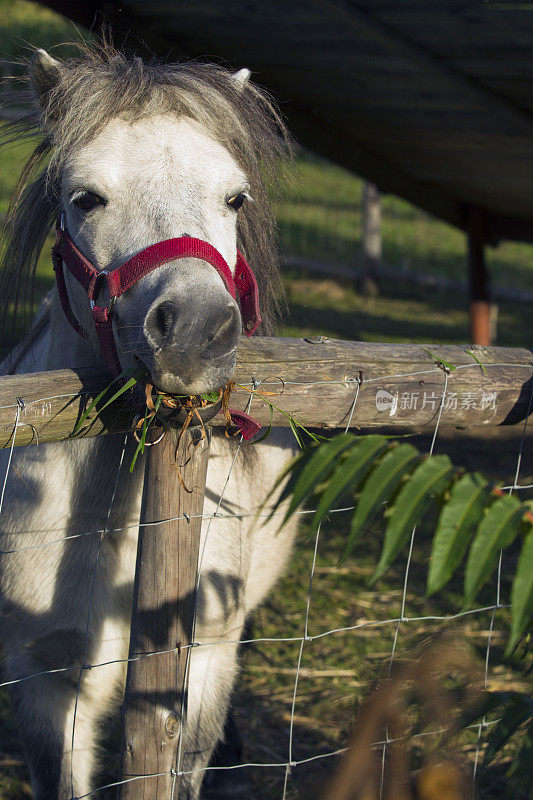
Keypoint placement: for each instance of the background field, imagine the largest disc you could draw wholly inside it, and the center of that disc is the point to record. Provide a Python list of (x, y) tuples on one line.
[(320, 217)]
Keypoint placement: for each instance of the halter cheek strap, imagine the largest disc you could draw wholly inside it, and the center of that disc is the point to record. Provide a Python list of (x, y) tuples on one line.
[(119, 280)]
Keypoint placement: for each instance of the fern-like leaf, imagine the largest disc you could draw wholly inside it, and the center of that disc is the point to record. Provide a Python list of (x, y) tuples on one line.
[(348, 472), (378, 488), (522, 593), (498, 528), (429, 479), (316, 464), (457, 524)]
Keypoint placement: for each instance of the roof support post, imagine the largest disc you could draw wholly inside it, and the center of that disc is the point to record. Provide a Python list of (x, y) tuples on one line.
[(478, 279)]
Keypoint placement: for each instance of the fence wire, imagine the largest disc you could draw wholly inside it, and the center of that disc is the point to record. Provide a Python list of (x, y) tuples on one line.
[(306, 636)]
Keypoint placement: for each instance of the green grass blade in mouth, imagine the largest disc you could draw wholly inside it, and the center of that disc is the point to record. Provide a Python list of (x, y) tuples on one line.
[(131, 378), (147, 422)]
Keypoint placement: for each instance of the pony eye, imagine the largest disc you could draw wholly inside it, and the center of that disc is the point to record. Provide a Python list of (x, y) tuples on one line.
[(237, 200), (86, 201)]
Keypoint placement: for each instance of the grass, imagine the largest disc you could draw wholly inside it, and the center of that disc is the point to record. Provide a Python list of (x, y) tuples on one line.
[(320, 216), (26, 25)]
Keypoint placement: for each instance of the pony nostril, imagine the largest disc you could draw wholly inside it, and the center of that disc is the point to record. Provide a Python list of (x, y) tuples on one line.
[(164, 318), (223, 332), (161, 321)]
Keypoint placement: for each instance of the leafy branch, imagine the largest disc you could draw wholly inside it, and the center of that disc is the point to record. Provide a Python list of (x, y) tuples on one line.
[(398, 482), (476, 522)]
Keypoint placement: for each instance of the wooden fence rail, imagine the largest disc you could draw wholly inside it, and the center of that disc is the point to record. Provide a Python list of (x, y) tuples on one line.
[(315, 380)]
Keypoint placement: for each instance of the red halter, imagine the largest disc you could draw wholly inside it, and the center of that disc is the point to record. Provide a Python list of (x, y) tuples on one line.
[(128, 274), (124, 277)]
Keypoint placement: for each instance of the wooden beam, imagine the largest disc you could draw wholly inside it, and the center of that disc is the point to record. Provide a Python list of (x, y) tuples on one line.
[(313, 127), (519, 229), (86, 12), (311, 122), (315, 380)]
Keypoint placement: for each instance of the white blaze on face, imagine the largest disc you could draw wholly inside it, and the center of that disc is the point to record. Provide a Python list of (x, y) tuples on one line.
[(156, 179)]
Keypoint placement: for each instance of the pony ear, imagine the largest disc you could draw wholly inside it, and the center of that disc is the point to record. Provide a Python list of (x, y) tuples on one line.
[(45, 72), (241, 78)]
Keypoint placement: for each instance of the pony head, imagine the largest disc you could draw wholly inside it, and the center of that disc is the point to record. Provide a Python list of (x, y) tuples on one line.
[(138, 154)]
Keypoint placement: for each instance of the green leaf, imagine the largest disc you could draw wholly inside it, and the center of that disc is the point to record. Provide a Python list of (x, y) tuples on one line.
[(522, 593), (294, 429), (135, 377), (429, 479), (470, 353), (211, 397), (128, 385), (520, 767), (293, 470), (439, 360), (497, 530), (378, 488), (517, 710), (348, 472), (93, 405), (457, 523), (316, 468), (142, 443)]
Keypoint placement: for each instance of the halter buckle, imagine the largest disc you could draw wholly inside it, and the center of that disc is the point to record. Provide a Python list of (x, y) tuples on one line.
[(97, 288)]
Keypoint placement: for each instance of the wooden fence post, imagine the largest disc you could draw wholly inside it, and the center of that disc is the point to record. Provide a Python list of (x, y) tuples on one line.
[(162, 614), (372, 247)]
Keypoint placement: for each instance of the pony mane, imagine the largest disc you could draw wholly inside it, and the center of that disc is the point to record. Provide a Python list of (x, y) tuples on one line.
[(101, 83)]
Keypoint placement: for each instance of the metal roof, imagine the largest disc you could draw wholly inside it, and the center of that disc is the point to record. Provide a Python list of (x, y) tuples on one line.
[(429, 99)]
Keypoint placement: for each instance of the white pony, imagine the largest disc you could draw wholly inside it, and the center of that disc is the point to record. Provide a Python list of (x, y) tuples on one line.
[(132, 154)]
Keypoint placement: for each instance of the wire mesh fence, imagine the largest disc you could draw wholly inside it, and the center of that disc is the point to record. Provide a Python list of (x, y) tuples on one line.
[(309, 631)]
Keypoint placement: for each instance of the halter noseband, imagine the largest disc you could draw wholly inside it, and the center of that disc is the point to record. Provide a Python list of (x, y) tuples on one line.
[(130, 272)]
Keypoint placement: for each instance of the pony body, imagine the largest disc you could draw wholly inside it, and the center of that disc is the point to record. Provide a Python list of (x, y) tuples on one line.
[(162, 164)]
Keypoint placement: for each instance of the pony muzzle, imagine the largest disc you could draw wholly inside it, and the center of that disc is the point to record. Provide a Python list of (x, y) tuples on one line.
[(165, 325), (192, 342)]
